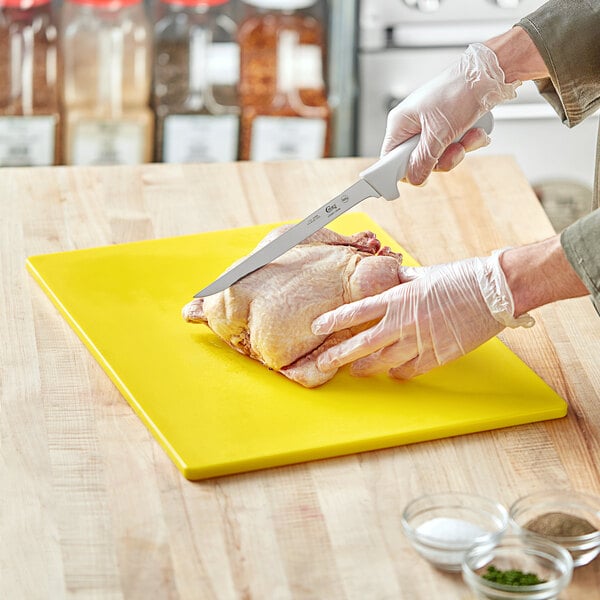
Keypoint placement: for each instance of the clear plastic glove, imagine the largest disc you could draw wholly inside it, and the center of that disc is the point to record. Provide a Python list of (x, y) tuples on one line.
[(437, 315), (444, 109)]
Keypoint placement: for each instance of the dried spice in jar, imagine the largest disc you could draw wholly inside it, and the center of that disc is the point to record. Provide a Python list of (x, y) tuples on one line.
[(196, 72), (29, 115), (285, 110), (106, 48)]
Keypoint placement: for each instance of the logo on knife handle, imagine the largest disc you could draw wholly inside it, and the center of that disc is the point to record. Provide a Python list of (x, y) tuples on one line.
[(330, 208)]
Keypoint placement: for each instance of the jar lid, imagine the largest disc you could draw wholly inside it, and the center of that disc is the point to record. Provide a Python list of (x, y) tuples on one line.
[(23, 4), (281, 4), (106, 3), (194, 2)]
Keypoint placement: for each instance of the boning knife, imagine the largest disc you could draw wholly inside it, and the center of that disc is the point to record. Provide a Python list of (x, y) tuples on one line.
[(379, 180)]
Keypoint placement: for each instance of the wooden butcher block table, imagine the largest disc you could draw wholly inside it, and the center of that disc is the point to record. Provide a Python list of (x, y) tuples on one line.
[(91, 505)]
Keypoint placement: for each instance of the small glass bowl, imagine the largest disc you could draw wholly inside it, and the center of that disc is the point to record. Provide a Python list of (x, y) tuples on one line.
[(442, 527), (528, 553), (583, 548)]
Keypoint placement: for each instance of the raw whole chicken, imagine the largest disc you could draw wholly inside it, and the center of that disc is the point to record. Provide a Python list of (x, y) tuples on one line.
[(268, 314)]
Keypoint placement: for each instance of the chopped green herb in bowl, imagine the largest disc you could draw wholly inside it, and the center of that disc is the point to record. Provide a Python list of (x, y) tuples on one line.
[(518, 567), (511, 577)]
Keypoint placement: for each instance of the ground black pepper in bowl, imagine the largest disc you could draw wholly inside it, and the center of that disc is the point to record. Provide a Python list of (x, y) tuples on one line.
[(567, 517), (559, 524)]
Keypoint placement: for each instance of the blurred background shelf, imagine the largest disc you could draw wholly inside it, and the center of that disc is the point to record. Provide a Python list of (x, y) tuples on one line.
[(330, 98)]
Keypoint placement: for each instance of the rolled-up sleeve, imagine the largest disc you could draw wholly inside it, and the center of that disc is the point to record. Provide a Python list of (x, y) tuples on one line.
[(581, 243), (566, 34)]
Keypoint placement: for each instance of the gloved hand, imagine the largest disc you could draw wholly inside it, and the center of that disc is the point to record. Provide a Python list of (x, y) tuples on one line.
[(438, 314), (444, 109)]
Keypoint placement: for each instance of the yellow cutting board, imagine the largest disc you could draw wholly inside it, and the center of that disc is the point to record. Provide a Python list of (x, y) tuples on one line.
[(217, 412)]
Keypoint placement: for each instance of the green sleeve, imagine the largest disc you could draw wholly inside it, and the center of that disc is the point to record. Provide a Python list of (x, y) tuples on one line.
[(581, 243), (566, 33)]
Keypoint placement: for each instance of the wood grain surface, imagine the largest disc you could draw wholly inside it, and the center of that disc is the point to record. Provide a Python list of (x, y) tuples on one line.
[(91, 507)]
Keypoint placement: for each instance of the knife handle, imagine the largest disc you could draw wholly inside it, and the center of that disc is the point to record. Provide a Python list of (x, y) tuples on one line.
[(384, 175)]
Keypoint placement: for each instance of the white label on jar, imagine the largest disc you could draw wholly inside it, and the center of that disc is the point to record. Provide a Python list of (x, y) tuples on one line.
[(108, 143), (200, 138), (308, 67), (282, 138), (27, 141), (223, 63)]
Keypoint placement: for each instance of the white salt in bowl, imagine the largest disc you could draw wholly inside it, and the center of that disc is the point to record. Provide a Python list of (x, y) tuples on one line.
[(583, 547), (442, 527)]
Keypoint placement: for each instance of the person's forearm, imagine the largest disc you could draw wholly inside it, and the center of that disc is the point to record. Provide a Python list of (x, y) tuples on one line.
[(540, 273), (518, 56)]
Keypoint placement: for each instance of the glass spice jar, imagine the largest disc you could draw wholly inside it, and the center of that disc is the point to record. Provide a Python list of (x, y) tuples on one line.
[(29, 114), (196, 72), (106, 48), (285, 110)]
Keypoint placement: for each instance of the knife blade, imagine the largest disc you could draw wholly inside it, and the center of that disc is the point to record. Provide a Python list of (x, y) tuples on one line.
[(379, 180)]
